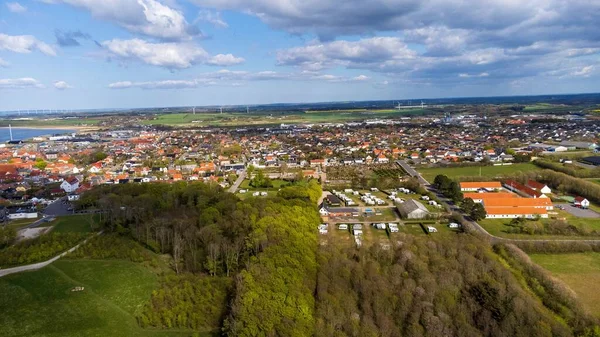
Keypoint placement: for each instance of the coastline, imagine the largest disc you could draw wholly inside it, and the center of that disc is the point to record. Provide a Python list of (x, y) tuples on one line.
[(50, 127)]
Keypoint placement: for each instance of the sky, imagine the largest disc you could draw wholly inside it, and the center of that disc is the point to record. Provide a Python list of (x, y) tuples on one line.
[(92, 54)]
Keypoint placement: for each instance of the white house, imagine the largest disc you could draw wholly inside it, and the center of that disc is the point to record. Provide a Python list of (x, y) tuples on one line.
[(581, 202), (70, 185)]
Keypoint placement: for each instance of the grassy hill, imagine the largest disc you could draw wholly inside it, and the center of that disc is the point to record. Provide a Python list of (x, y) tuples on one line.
[(41, 303)]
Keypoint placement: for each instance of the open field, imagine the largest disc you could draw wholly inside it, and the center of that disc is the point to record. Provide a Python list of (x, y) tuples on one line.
[(41, 303), (275, 118), (498, 227), (76, 224), (277, 183), (487, 172), (579, 271)]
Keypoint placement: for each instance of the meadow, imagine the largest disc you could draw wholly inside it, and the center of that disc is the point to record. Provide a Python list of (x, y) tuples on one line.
[(580, 271), (42, 303), (485, 172), (276, 118)]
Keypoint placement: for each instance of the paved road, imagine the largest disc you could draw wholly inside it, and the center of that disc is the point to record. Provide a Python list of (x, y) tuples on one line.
[(237, 183), (39, 265), (412, 172), (57, 208)]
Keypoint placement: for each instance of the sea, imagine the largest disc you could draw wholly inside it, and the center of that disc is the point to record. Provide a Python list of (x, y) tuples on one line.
[(27, 133)]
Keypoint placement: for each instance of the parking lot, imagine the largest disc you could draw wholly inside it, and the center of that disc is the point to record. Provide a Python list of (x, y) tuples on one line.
[(578, 212)]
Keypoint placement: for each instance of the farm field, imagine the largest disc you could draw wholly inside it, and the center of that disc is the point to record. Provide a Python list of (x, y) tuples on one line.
[(274, 118), (487, 172), (41, 303), (578, 271)]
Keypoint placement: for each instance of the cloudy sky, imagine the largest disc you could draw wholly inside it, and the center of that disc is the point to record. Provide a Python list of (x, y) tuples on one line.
[(68, 54)]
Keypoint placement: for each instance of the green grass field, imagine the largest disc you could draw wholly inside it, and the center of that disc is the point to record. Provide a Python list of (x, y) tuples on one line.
[(75, 224), (275, 118), (498, 226), (41, 303), (487, 172), (580, 271), (277, 183)]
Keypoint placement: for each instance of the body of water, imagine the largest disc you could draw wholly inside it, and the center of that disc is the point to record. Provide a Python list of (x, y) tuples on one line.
[(26, 133)]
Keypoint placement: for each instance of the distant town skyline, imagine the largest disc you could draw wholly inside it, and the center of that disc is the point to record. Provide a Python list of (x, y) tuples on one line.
[(82, 54)]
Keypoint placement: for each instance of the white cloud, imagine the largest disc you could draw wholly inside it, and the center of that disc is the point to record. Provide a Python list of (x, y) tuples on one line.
[(213, 18), (24, 44), (463, 75), (3, 63), (62, 85), (345, 53), (235, 78), (168, 54), (16, 7), (584, 71), (169, 84), (148, 17), (20, 83), (224, 60)]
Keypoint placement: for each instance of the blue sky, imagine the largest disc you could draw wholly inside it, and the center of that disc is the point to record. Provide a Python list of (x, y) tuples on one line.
[(70, 54)]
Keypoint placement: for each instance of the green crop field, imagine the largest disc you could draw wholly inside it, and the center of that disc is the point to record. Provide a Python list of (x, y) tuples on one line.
[(580, 271), (487, 172), (41, 303)]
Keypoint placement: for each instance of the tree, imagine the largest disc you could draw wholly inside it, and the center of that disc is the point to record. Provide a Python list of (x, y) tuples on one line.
[(478, 212), (467, 206)]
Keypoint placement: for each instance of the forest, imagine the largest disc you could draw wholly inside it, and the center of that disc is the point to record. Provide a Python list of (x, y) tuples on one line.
[(255, 267)]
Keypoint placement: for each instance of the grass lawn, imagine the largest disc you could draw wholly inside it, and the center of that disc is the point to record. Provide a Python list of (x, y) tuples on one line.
[(16, 224), (277, 183), (487, 172), (75, 223), (497, 226), (580, 271), (41, 303)]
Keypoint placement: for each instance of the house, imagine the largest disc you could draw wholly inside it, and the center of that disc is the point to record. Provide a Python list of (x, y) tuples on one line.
[(517, 187), (338, 211), (332, 200), (412, 209), (536, 186), (481, 197), (476, 186), (581, 202), (594, 160), (70, 184), (515, 212), (544, 203)]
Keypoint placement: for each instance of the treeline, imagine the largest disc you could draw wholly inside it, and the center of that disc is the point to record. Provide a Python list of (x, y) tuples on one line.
[(274, 294), (39, 249), (425, 287), (188, 301), (572, 171), (7, 236), (555, 295), (268, 246), (203, 228)]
